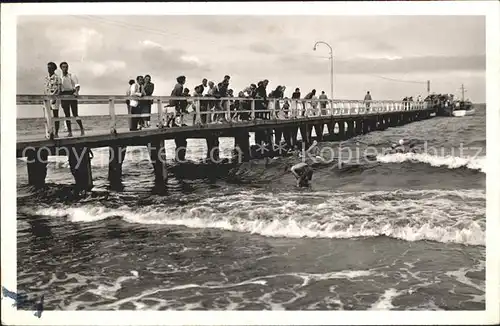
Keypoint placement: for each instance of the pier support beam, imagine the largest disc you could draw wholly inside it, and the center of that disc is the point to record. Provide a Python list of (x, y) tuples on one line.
[(278, 133), (158, 157), (359, 127), (213, 148), (350, 129), (287, 134), (180, 149), (394, 120), (242, 144), (366, 127), (79, 163), (37, 167), (342, 134), (402, 119), (263, 136), (293, 136), (306, 135), (319, 128), (116, 158)]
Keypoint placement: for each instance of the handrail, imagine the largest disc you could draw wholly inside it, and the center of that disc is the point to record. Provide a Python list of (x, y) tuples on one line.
[(23, 99), (223, 109)]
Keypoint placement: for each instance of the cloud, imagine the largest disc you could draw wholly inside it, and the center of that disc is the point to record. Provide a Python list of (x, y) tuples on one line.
[(388, 64), (102, 62), (260, 47), (217, 27)]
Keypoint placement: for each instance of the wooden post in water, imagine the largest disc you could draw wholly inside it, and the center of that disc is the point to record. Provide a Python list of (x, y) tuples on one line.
[(213, 148), (342, 134), (159, 159), (366, 126), (116, 158), (180, 148), (304, 134), (350, 129), (242, 144), (37, 167), (278, 133), (319, 131), (79, 163), (287, 134), (359, 126)]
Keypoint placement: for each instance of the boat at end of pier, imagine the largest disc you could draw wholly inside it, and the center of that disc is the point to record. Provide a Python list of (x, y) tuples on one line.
[(446, 105), (463, 108)]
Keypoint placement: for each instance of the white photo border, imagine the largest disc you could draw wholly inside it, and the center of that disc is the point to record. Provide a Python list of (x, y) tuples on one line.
[(489, 9)]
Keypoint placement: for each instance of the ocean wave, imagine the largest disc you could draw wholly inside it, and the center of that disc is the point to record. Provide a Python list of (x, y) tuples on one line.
[(452, 162), (443, 216)]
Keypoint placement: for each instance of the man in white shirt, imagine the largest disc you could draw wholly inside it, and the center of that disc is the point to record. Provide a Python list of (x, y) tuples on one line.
[(204, 83), (70, 86)]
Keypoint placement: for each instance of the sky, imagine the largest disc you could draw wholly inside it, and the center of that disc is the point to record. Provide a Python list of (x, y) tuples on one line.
[(390, 56)]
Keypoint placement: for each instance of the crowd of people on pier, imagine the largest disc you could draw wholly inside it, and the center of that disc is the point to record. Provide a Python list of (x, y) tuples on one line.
[(239, 109)]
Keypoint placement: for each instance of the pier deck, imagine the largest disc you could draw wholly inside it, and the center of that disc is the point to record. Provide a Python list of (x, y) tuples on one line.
[(273, 121)]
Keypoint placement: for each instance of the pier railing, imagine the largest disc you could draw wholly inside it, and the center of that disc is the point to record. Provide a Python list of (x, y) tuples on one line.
[(200, 111)]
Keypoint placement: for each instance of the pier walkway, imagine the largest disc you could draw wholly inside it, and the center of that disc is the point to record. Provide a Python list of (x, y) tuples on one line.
[(274, 121)]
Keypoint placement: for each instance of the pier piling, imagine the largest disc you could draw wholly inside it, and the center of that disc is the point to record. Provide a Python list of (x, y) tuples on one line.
[(242, 143), (159, 159), (116, 158), (213, 148), (37, 167), (180, 149), (79, 163)]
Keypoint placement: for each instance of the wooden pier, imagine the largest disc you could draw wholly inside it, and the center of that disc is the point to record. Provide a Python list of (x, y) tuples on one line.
[(274, 121)]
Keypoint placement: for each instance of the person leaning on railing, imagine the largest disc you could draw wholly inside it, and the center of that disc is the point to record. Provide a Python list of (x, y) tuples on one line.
[(134, 91), (310, 97), (53, 87)]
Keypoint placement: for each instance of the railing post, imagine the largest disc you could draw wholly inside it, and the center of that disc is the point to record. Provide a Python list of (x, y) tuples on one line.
[(252, 106), (228, 110), (273, 110), (49, 123), (159, 107), (197, 107), (112, 114)]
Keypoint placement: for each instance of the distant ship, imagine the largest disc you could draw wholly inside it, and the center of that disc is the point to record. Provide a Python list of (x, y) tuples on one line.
[(463, 108), (445, 105)]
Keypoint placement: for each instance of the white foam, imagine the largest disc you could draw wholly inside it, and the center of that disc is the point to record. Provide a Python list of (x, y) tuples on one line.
[(452, 162), (408, 215), (109, 291), (385, 301)]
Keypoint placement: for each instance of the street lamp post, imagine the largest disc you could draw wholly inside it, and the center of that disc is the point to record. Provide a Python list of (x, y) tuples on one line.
[(331, 64)]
